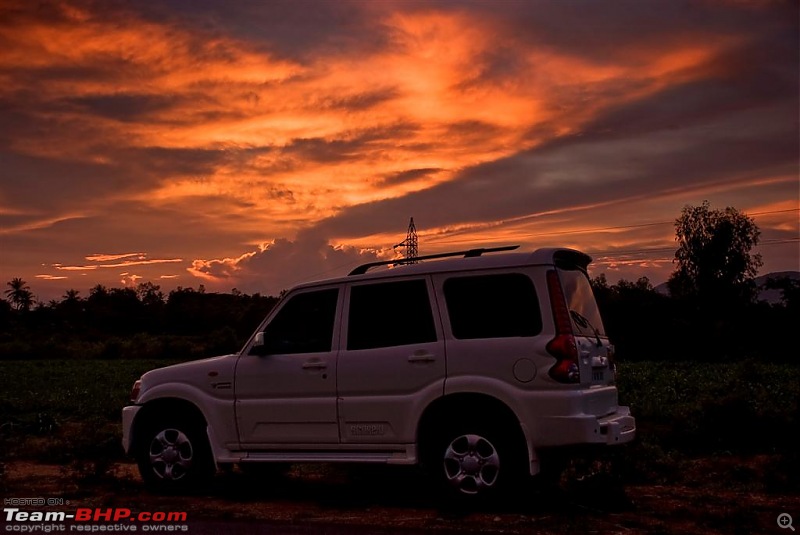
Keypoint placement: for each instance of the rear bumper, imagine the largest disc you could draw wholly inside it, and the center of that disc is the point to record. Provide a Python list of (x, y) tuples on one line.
[(128, 415), (616, 428)]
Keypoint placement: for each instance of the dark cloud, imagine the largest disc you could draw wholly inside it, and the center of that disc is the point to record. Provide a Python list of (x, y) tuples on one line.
[(357, 102), (747, 77), (167, 162), (576, 171), (52, 185), (410, 175), (187, 91), (283, 264), (499, 66), (300, 30), (472, 129), (607, 34), (351, 145), (123, 107), (322, 150)]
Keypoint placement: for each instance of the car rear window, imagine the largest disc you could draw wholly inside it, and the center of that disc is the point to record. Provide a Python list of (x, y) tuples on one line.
[(492, 306), (580, 300)]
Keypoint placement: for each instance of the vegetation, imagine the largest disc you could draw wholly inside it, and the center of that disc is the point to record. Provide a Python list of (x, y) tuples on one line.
[(711, 313), (645, 324), (19, 294), (66, 411), (715, 266), (706, 370), (128, 323)]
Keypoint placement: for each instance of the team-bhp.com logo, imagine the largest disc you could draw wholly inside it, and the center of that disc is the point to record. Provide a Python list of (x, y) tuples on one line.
[(87, 519)]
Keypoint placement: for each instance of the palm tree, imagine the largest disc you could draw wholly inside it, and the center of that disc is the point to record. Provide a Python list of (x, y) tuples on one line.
[(19, 293)]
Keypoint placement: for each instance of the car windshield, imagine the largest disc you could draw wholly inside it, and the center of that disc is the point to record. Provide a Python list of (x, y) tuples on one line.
[(582, 305)]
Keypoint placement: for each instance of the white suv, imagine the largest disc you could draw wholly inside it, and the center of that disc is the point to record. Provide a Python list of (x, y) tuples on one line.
[(470, 366)]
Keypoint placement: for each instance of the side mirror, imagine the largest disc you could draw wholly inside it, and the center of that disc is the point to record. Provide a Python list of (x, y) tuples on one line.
[(259, 341), (259, 346)]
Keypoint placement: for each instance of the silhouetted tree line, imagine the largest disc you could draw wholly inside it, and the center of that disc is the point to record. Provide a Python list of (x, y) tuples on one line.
[(645, 324), (140, 322), (711, 312), (143, 322)]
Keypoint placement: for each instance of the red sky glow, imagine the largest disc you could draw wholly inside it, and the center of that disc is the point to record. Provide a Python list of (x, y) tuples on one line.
[(257, 145)]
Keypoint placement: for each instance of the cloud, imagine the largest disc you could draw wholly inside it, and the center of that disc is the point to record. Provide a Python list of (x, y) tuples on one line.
[(410, 175), (92, 267), (112, 257), (197, 130), (50, 277), (282, 264), (129, 279)]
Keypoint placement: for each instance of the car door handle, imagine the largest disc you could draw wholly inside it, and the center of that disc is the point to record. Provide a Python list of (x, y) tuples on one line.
[(422, 357), (314, 365)]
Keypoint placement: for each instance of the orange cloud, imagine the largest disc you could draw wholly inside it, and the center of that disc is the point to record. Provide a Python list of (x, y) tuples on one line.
[(111, 257), (216, 92), (484, 119), (120, 264)]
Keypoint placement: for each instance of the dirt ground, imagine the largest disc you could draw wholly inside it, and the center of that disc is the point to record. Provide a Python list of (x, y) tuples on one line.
[(336, 500)]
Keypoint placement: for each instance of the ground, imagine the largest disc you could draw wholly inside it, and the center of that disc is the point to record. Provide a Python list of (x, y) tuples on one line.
[(377, 499)]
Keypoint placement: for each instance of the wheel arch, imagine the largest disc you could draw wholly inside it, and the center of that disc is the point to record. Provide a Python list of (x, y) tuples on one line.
[(161, 407), (464, 406)]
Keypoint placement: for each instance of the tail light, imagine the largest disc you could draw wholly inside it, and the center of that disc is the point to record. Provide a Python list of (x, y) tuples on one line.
[(137, 386), (563, 347)]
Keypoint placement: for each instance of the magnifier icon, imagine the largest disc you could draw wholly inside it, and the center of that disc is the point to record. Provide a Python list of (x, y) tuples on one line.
[(785, 521)]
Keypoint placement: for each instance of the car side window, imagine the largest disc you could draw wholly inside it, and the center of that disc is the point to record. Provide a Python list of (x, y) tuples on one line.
[(304, 324), (492, 306), (390, 314)]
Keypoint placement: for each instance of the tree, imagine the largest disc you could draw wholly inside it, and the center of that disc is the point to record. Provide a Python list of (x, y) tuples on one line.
[(19, 293), (789, 288), (150, 294), (715, 264)]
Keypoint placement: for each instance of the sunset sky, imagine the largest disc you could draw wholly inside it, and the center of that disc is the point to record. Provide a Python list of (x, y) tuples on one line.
[(259, 144)]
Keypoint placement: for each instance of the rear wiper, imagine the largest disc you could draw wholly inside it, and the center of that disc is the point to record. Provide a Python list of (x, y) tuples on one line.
[(583, 323)]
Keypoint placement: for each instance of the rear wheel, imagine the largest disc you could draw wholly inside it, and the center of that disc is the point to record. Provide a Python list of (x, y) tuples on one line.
[(474, 462), (174, 455), (471, 464)]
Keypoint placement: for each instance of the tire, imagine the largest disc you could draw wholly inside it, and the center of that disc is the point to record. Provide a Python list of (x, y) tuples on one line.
[(174, 456), (475, 462)]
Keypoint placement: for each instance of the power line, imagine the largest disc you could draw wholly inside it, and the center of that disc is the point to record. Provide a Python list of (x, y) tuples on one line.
[(604, 229), (615, 252), (610, 252)]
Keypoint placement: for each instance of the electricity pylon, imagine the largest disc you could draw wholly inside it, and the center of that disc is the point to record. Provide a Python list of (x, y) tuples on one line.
[(410, 243)]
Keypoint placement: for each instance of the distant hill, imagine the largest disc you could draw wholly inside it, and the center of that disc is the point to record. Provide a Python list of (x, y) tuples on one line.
[(770, 296), (773, 296)]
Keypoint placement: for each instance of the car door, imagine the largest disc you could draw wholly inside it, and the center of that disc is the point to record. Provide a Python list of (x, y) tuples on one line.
[(286, 387), (392, 361), (493, 326)]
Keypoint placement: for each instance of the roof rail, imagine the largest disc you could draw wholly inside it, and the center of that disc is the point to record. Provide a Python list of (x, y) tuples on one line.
[(363, 268)]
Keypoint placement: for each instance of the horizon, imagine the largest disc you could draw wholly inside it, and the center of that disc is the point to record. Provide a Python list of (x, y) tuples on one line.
[(85, 292), (257, 146)]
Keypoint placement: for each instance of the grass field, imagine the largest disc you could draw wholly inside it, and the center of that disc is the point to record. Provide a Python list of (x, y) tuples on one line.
[(63, 410), (68, 410)]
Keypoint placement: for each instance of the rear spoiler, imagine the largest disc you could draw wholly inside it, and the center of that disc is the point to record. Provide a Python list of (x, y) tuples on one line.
[(562, 258)]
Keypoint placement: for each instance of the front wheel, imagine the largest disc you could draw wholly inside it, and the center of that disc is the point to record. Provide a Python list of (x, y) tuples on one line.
[(174, 456)]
